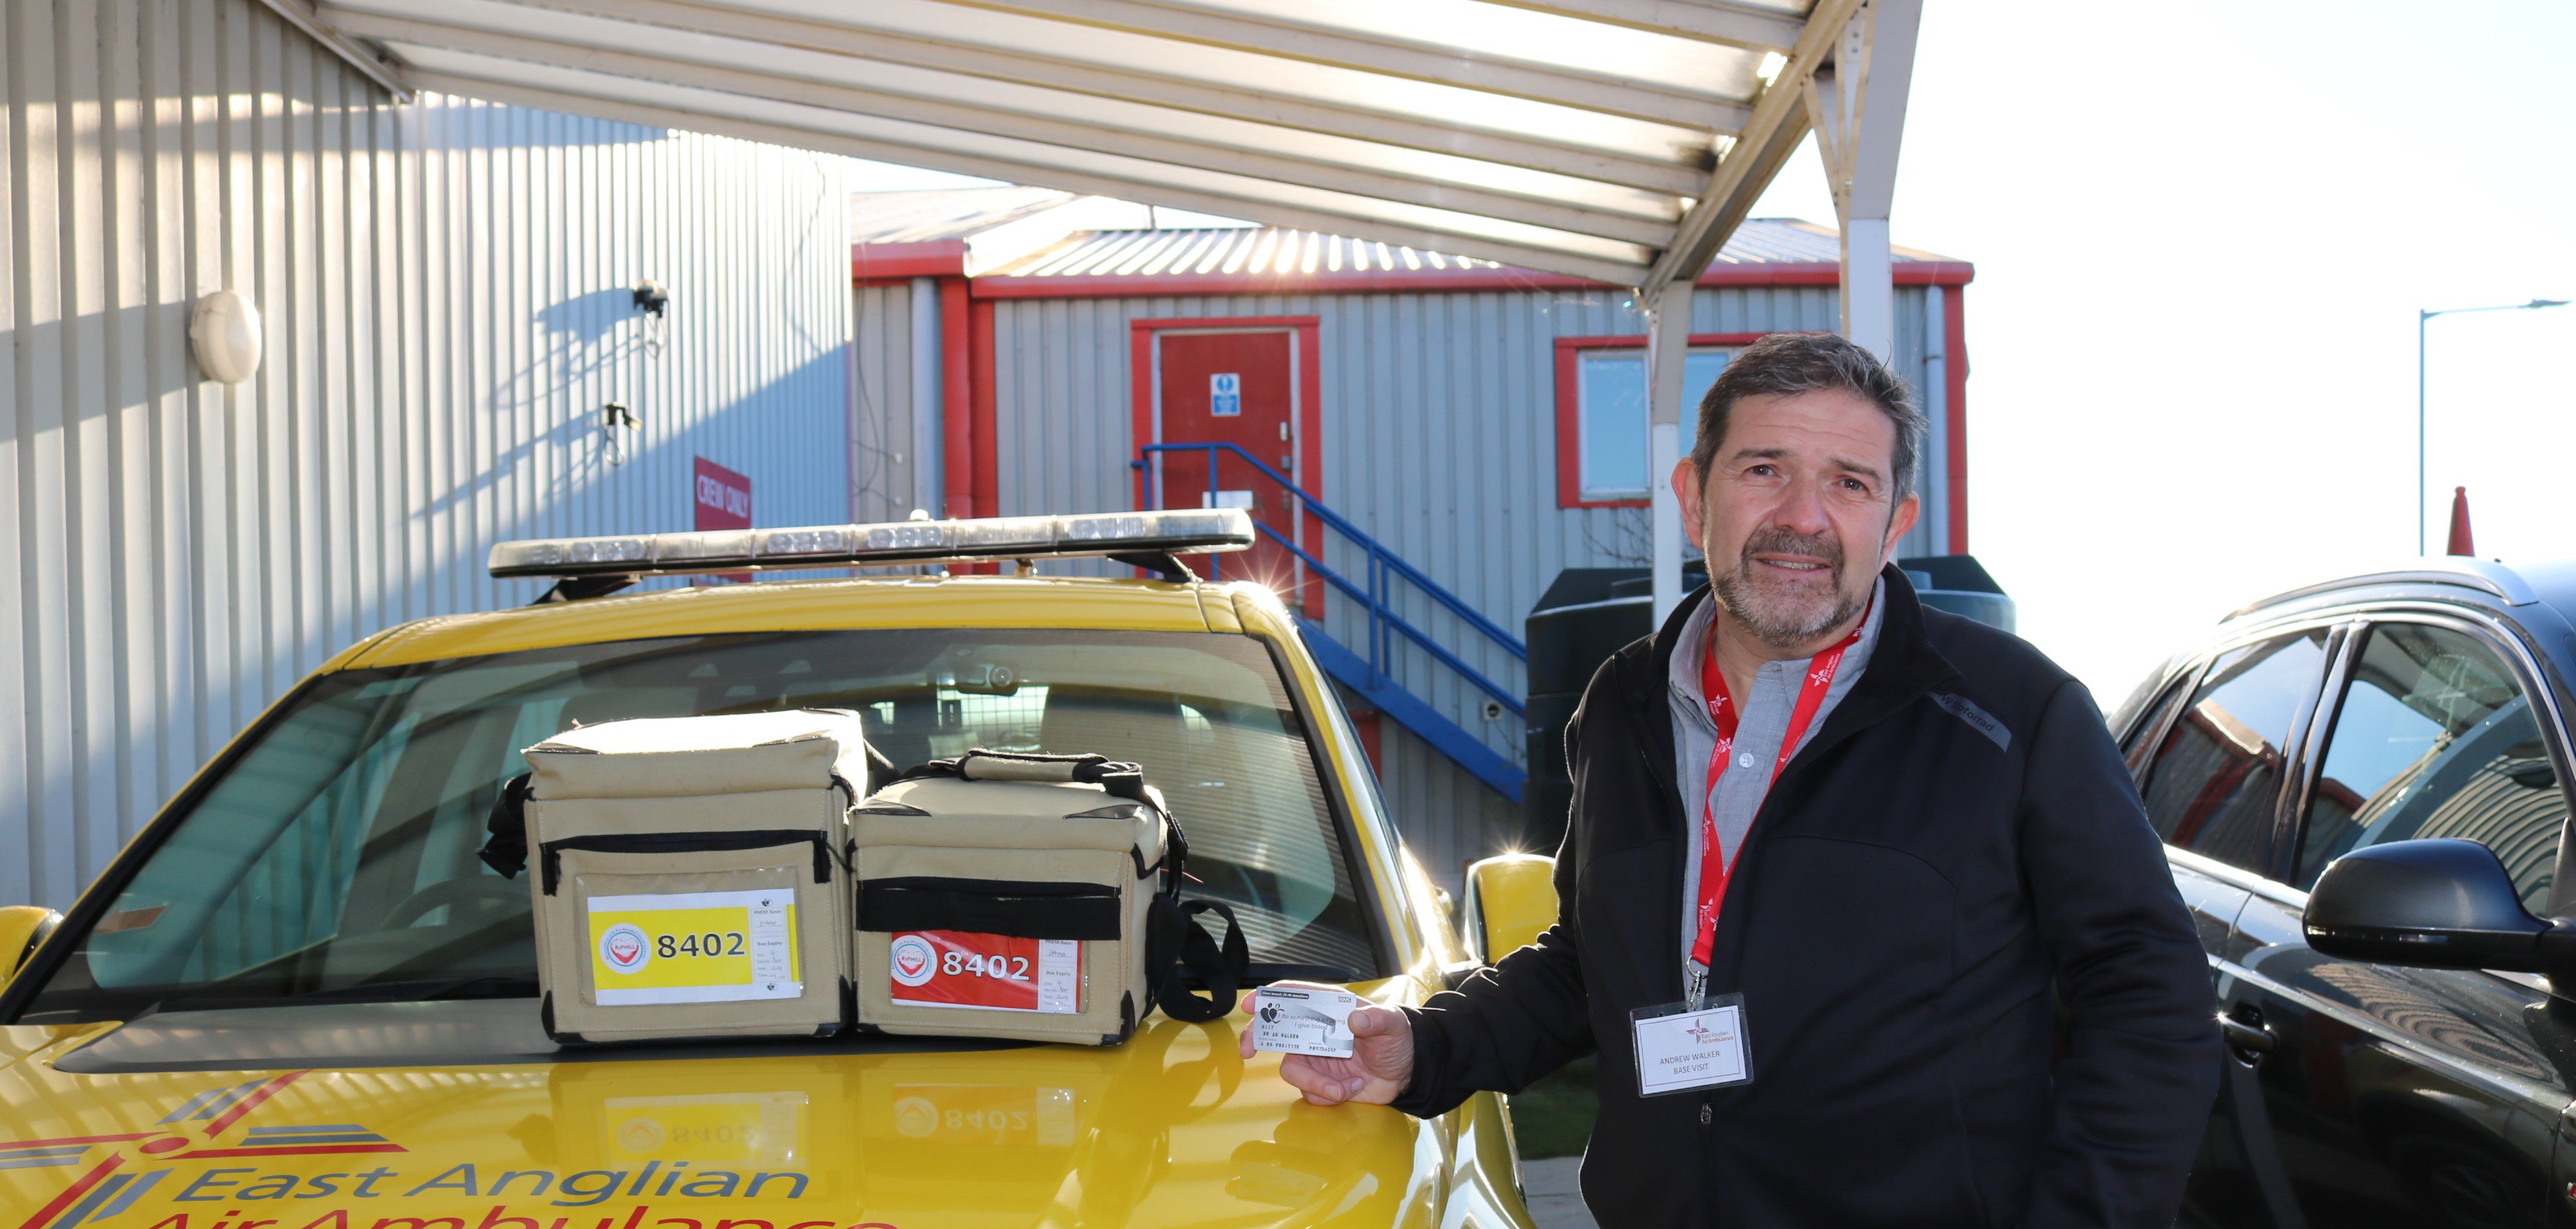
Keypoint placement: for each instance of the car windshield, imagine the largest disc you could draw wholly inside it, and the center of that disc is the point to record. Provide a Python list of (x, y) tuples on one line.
[(337, 857)]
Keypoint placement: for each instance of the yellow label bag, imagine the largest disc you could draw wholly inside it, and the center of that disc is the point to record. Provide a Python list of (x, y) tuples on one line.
[(690, 875), (1033, 897)]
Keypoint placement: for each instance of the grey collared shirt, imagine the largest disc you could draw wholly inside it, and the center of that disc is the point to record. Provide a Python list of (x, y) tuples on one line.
[(1762, 722)]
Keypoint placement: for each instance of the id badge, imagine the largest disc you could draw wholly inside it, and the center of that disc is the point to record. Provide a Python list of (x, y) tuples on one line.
[(1683, 1047)]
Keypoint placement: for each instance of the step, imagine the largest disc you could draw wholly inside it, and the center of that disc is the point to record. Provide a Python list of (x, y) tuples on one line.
[(1413, 713)]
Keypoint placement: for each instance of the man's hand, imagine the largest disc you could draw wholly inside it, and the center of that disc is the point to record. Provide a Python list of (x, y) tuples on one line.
[(1380, 1065)]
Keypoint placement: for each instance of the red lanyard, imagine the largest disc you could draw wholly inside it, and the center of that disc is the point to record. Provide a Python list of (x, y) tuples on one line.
[(1714, 868)]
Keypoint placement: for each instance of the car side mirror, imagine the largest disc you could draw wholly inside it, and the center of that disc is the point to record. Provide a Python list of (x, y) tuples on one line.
[(1510, 900), (22, 929), (2442, 903)]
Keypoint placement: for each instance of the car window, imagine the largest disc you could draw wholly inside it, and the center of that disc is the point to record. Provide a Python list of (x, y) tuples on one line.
[(2436, 738), (2216, 775), (339, 853), (2134, 746)]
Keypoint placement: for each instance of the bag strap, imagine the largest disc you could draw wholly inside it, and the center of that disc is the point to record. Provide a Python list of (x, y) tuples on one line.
[(1118, 777), (1223, 968), (505, 848)]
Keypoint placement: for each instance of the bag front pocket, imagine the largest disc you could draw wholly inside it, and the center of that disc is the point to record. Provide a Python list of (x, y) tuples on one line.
[(551, 852), (1018, 908)]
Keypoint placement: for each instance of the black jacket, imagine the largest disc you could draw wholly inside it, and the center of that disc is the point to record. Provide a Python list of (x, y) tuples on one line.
[(1958, 837)]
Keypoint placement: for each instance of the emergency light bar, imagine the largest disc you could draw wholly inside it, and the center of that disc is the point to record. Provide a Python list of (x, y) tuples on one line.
[(894, 542)]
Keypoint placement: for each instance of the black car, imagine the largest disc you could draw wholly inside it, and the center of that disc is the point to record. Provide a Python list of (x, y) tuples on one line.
[(2395, 1055)]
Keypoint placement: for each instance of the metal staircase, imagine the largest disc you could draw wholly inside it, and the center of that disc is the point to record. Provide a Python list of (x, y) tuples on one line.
[(1396, 646)]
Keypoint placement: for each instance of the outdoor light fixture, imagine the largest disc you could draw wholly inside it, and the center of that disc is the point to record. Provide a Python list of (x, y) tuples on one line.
[(2422, 318), (225, 335), (884, 544), (650, 297)]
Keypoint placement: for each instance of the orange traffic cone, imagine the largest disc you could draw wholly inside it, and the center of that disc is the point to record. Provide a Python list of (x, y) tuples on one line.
[(2460, 544)]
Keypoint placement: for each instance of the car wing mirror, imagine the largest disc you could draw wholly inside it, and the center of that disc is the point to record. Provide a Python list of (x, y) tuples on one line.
[(2442, 903), (1510, 900), (23, 928)]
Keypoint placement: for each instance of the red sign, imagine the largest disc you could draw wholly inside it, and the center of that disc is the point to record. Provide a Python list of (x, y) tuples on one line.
[(723, 499), (952, 968)]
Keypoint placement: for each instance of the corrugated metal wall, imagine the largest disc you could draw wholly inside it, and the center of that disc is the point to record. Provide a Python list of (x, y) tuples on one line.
[(882, 417), (1439, 424), (445, 291)]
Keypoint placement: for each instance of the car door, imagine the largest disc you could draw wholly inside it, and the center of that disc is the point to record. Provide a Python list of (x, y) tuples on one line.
[(2405, 1096), (2211, 762)]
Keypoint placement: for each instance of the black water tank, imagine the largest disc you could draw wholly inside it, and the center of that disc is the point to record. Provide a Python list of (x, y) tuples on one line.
[(1588, 613)]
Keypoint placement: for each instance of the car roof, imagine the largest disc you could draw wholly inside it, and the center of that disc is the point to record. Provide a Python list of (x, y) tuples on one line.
[(2536, 596), (1099, 603)]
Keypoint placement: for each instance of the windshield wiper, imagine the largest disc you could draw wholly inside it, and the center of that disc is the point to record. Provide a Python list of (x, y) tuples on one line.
[(495, 986)]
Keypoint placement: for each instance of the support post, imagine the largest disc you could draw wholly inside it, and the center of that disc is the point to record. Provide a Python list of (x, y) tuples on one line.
[(1668, 328), (1858, 108), (929, 412), (956, 397)]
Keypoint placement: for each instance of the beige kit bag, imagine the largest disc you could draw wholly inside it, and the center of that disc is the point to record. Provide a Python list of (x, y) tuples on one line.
[(691, 875), (1032, 897)]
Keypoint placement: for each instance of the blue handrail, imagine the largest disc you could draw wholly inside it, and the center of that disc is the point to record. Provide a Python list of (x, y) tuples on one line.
[(1384, 567)]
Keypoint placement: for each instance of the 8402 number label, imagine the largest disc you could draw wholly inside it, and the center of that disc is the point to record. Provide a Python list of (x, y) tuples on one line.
[(707, 943), (952, 968)]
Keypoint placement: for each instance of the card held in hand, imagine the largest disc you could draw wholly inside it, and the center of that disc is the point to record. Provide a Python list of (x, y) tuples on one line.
[(1297, 1020)]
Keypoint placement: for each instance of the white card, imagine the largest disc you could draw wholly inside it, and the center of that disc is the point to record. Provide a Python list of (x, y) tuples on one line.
[(1292, 1020), (1680, 1049)]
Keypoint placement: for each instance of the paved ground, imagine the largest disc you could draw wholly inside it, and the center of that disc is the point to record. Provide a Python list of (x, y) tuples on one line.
[(1555, 1202)]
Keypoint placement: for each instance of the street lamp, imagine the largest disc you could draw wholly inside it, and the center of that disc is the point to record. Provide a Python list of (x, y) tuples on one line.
[(2422, 318)]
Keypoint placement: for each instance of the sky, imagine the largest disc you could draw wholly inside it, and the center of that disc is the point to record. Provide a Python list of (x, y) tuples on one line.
[(2202, 232)]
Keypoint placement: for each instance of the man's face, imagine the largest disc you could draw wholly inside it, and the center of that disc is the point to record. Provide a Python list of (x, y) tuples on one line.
[(1794, 512)]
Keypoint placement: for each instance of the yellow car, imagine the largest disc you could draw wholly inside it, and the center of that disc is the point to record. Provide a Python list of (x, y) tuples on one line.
[(300, 1001)]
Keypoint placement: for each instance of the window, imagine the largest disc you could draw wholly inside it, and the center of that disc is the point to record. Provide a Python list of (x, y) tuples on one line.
[(2134, 747), (338, 854), (2217, 775), (2435, 738), (1603, 451)]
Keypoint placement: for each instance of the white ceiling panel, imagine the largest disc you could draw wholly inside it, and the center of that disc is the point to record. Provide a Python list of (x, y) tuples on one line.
[(1607, 139)]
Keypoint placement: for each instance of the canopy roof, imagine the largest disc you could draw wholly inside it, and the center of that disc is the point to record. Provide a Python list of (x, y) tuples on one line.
[(1613, 140)]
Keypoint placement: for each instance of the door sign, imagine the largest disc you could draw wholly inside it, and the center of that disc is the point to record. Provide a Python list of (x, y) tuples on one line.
[(1225, 394)]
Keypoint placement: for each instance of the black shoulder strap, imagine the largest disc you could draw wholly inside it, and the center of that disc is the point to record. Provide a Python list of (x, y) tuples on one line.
[(1221, 967), (505, 847)]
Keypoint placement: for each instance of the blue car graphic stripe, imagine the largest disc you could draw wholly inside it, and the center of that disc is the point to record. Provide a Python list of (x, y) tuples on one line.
[(191, 1106), (41, 1159), (362, 1137), (97, 1196), (225, 1098), (124, 1199)]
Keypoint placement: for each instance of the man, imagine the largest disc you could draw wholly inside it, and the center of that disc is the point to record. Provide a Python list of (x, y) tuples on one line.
[(1829, 855)]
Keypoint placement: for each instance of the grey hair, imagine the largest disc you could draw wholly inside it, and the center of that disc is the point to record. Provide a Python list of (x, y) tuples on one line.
[(1785, 364)]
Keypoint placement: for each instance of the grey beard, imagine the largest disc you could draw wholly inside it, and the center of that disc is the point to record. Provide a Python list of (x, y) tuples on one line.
[(1782, 629)]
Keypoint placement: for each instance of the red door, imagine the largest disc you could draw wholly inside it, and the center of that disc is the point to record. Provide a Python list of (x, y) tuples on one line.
[(1233, 388)]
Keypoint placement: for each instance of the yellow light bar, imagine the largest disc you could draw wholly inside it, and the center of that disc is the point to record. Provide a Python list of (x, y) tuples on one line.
[(842, 546)]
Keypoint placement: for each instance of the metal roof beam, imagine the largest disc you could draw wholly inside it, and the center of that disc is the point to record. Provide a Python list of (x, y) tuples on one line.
[(849, 37), (300, 14), (1701, 20), (1780, 119), (1326, 45), (1572, 264), (1071, 134)]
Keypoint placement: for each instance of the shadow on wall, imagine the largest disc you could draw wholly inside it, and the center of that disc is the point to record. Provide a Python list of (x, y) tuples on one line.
[(791, 422), (145, 358)]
